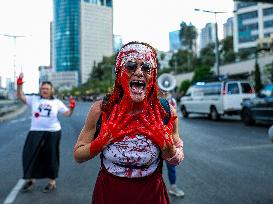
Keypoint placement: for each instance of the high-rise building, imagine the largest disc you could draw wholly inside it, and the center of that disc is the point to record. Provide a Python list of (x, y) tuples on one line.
[(251, 22), (117, 43), (61, 80), (207, 35), (83, 34), (51, 45), (174, 40), (228, 27)]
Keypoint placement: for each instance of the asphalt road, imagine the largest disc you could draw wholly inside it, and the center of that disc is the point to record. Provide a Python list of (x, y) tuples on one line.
[(225, 162)]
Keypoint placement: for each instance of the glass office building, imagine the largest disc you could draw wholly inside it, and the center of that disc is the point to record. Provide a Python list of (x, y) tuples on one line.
[(66, 28), (82, 34), (174, 40)]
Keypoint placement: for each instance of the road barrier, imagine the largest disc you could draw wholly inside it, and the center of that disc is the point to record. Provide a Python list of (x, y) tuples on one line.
[(7, 107)]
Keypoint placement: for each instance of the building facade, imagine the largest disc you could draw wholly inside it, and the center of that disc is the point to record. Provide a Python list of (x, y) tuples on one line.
[(207, 35), (62, 80), (228, 27), (251, 22), (82, 35), (174, 41), (117, 43), (66, 35)]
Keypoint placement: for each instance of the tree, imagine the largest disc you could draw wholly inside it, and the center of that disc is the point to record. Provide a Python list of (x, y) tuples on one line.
[(226, 51), (184, 86), (162, 56), (257, 75), (269, 71), (244, 54), (207, 56), (179, 61), (202, 74), (187, 36)]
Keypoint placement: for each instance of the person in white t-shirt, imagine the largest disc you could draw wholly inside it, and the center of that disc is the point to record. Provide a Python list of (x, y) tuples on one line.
[(41, 149)]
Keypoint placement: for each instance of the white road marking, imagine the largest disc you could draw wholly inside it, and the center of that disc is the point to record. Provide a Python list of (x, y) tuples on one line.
[(14, 121), (12, 195), (18, 120), (250, 147)]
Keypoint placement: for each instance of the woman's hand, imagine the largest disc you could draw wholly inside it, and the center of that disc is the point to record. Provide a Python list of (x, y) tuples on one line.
[(111, 130), (20, 80), (156, 130), (72, 103)]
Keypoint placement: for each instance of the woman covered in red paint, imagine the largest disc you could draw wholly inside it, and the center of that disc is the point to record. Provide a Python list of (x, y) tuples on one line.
[(131, 130)]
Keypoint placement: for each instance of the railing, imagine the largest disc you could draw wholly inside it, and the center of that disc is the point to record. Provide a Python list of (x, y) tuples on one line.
[(8, 106)]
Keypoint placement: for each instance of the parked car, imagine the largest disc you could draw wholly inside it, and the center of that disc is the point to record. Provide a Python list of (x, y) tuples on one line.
[(259, 108), (216, 98)]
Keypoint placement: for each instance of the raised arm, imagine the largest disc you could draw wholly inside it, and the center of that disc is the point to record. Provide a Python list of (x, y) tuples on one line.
[(20, 94), (82, 147)]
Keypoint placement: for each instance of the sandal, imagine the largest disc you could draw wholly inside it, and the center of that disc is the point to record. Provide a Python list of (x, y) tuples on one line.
[(28, 186), (49, 187)]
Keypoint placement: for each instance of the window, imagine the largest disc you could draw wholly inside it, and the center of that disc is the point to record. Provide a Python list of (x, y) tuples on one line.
[(244, 4), (246, 88), (248, 15), (268, 24), (233, 88), (212, 89), (197, 91), (268, 11), (267, 91)]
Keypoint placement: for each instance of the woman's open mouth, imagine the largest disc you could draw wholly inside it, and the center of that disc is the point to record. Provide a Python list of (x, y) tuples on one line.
[(137, 86)]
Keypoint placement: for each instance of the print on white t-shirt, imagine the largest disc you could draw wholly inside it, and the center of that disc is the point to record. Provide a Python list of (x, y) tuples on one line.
[(44, 113)]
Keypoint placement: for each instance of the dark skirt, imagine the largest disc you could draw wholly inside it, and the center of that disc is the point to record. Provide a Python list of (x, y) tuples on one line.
[(110, 189), (41, 154)]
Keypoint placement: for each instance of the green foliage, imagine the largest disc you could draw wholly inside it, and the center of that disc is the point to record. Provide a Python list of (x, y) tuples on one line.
[(257, 75), (187, 35), (226, 51), (207, 56), (182, 61), (244, 54), (184, 86), (100, 80), (229, 57), (269, 71), (202, 74), (165, 70), (162, 56)]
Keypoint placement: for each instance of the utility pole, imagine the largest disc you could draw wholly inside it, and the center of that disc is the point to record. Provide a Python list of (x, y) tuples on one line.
[(216, 38), (14, 54)]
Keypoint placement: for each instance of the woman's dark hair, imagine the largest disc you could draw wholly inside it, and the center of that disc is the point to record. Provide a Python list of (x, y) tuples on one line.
[(47, 82)]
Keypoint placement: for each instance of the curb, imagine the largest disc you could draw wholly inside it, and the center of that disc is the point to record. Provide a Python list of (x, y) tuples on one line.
[(13, 114)]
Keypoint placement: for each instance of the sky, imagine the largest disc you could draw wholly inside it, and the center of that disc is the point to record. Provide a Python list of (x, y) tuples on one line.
[(135, 20)]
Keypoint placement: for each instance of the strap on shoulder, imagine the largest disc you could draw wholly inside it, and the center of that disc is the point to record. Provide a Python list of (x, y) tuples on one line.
[(167, 108)]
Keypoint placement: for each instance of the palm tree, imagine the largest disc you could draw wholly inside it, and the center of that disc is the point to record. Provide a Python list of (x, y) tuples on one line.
[(187, 36)]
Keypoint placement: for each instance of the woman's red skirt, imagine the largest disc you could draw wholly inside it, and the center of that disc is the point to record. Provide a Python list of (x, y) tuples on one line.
[(111, 189)]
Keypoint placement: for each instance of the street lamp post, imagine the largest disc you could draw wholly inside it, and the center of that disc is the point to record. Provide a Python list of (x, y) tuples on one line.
[(14, 54), (216, 38)]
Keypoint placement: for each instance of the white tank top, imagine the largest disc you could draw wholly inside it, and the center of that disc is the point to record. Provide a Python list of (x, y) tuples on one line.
[(132, 157)]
